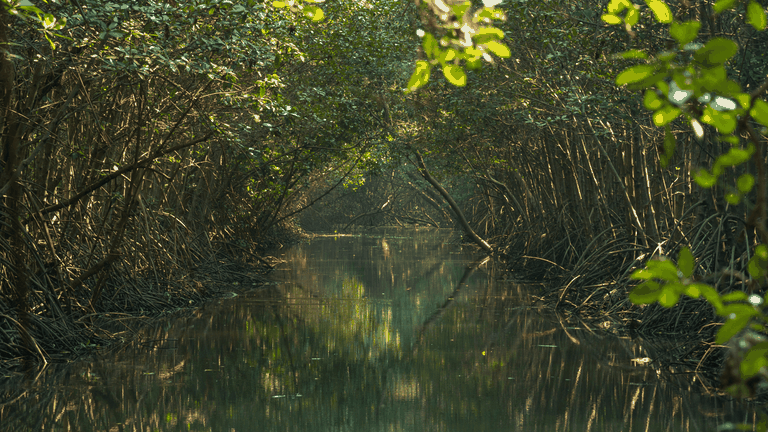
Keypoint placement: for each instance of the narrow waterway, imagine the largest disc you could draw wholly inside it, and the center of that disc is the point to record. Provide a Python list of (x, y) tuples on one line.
[(397, 330)]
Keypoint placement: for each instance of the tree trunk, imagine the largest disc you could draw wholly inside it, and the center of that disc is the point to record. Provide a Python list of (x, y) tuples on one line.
[(459, 214)]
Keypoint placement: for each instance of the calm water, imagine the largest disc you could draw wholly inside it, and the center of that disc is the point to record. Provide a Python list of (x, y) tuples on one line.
[(394, 331)]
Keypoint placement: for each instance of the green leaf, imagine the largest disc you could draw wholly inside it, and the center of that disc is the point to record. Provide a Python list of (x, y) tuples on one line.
[(758, 264), (745, 183), (472, 53), (663, 270), (759, 112), (459, 9), (50, 42), (736, 296), (709, 293), (634, 54), (634, 74), (762, 252), (663, 86), (616, 6), (685, 262), (489, 13), (692, 291), (724, 121), (645, 293), (660, 10), (430, 45), (498, 48), (446, 56), (756, 15), (473, 64), (665, 115), (60, 23), (314, 13), (652, 100), (420, 76), (735, 156), (730, 87), (49, 21), (28, 6), (684, 32), (641, 274), (669, 147), (754, 360), (652, 80), (716, 51), (455, 75), (704, 179), (632, 16), (744, 99), (731, 328), (487, 34), (611, 19), (756, 268), (279, 4), (669, 295), (733, 198), (666, 56), (721, 5), (711, 78)]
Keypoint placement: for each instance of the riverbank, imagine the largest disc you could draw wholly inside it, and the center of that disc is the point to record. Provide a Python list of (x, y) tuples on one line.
[(594, 289), (126, 306), (396, 330), (86, 323)]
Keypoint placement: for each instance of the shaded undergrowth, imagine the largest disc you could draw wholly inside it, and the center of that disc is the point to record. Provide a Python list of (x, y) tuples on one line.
[(588, 280), (128, 300)]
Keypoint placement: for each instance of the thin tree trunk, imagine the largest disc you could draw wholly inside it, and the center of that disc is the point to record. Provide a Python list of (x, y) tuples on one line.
[(459, 214)]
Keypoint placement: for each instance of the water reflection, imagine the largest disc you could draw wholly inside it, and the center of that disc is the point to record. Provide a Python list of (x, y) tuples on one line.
[(392, 332)]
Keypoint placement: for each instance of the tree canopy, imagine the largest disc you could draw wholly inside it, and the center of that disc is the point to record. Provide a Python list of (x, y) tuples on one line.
[(141, 138)]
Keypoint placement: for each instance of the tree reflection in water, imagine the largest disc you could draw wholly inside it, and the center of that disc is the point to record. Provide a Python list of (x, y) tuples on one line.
[(393, 332)]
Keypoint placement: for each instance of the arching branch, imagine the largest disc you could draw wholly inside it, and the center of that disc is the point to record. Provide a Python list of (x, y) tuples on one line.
[(459, 214)]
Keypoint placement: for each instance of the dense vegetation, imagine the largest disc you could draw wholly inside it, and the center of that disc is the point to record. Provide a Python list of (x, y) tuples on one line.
[(159, 137)]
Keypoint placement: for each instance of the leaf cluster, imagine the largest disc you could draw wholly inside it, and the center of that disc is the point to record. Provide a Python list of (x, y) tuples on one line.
[(458, 36), (46, 23), (691, 80), (665, 282)]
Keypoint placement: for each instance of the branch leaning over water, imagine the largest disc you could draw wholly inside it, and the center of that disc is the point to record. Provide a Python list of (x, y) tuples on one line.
[(459, 214)]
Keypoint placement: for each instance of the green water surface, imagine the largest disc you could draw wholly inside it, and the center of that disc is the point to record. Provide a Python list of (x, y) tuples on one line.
[(393, 330)]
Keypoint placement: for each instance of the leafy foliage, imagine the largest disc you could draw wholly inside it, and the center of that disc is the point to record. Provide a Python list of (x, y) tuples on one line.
[(692, 82), (458, 36), (46, 23), (163, 123)]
